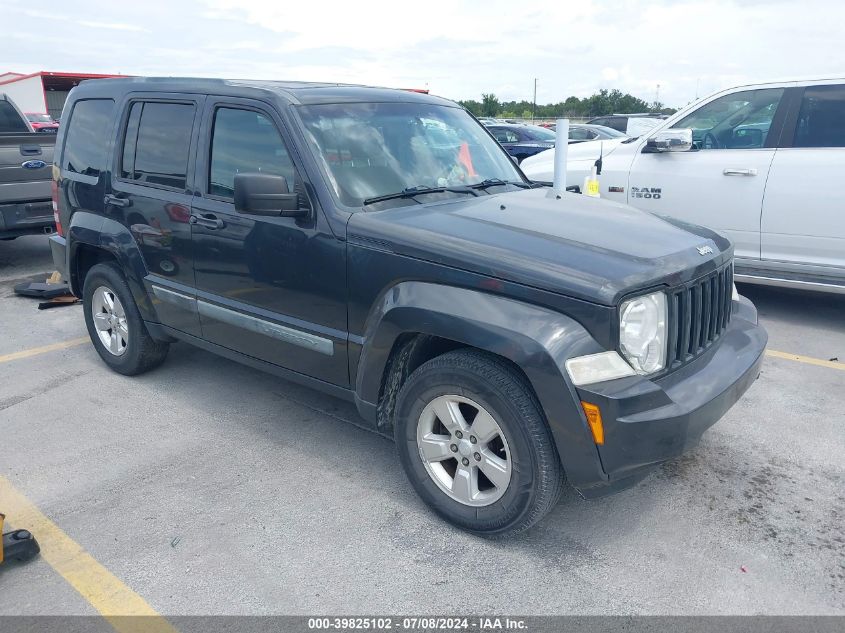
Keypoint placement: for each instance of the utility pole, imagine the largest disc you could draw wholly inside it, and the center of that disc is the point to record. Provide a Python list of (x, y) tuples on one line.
[(534, 110), (657, 95)]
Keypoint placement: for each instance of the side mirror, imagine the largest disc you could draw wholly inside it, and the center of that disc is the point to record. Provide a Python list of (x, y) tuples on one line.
[(672, 140), (266, 194)]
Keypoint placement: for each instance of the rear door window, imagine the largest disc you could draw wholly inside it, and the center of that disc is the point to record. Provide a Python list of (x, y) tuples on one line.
[(87, 136), (504, 135), (581, 134), (821, 120), (157, 143)]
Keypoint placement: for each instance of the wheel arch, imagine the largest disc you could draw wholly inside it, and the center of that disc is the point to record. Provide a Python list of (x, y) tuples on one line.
[(93, 239), (415, 321)]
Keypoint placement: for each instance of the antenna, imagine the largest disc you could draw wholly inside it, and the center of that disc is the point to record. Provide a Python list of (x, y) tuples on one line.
[(599, 159)]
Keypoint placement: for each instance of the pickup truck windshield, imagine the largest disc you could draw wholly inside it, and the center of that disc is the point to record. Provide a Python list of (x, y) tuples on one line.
[(370, 150)]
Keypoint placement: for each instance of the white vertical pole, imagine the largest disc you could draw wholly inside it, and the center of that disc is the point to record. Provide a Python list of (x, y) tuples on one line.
[(561, 150)]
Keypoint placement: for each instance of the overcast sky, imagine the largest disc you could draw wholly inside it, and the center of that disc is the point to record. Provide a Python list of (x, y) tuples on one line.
[(456, 49)]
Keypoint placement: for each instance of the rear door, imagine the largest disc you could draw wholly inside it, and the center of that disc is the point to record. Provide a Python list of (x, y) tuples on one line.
[(720, 183), (151, 192), (803, 225)]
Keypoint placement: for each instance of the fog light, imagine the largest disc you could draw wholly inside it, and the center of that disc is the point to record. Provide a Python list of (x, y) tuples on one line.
[(585, 370), (593, 414)]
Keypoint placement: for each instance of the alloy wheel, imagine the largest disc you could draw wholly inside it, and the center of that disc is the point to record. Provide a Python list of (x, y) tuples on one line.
[(464, 450), (110, 320)]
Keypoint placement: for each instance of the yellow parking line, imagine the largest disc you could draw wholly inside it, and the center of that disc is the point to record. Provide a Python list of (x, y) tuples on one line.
[(832, 364), (35, 351), (102, 589)]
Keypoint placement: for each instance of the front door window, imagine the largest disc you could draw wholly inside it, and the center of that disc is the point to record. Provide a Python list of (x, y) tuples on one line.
[(740, 120)]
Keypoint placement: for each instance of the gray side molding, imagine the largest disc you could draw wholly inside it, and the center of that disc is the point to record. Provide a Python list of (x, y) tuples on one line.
[(260, 326)]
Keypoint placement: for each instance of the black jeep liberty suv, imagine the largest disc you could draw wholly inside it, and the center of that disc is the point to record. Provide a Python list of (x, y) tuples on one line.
[(380, 245)]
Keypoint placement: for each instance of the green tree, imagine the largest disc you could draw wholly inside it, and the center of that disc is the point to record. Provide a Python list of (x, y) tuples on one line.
[(472, 105), (601, 103), (489, 105)]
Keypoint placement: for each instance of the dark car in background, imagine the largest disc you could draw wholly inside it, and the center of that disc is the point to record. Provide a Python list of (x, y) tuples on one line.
[(522, 141), (42, 122), (629, 124)]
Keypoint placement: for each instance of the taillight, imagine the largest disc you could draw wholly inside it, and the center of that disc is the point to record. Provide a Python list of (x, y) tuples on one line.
[(54, 188)]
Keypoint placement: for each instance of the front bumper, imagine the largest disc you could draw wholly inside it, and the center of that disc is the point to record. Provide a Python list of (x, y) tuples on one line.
[(647, 422)]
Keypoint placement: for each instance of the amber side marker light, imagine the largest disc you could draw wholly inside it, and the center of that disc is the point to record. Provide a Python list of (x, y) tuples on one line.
[(593, 414)]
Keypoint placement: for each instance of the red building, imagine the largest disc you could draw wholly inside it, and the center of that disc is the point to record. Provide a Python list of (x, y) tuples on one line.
[(42, 91)]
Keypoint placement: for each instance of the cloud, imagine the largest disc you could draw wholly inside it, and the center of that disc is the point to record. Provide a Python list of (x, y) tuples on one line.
[(113, 26), (456, 48), (609, 74)]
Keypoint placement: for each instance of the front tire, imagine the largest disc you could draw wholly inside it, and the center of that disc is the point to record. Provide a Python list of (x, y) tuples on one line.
[(475, 445), (115, 324)]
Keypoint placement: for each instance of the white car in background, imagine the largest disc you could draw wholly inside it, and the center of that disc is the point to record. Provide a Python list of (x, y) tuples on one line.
[(762, 164)]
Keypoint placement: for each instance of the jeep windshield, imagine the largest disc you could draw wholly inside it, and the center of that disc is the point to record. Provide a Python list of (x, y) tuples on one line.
[(398, 152)]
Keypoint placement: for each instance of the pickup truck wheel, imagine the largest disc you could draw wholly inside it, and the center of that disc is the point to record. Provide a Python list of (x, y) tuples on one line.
[(475, 445), (115, 324)]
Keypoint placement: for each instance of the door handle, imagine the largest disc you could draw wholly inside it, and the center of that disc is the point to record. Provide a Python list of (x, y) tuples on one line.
[(115, 201), (209, 221), (732, 171)]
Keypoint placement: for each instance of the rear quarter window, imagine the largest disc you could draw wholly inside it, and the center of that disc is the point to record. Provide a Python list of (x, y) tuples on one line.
[(10, 120), (87, 136)]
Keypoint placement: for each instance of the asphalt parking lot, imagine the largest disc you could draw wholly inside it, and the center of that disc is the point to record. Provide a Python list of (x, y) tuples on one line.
[(210, 488)]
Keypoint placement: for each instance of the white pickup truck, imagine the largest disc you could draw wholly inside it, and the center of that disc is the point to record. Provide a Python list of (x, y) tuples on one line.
[(760, 163)]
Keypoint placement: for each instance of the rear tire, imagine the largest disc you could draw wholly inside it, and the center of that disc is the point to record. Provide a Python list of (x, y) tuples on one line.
[(495, 427), (115, 324)]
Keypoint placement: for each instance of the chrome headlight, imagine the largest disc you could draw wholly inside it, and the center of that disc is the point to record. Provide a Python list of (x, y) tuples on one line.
[(642, 332)]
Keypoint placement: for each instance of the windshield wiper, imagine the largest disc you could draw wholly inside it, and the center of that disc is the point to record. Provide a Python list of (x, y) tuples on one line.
[(495, 182), (410, 192)]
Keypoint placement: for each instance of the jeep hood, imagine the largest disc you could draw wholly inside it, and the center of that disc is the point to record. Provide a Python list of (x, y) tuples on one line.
[(590, 249)]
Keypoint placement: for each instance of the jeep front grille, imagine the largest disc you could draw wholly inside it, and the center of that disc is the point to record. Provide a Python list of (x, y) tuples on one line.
[(698, 314)]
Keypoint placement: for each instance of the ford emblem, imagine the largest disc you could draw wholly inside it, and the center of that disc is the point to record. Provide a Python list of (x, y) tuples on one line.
[(33, 164)]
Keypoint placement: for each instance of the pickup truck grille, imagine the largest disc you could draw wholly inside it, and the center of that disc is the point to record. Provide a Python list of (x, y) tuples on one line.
[(698, 314)]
